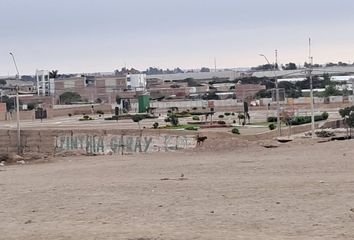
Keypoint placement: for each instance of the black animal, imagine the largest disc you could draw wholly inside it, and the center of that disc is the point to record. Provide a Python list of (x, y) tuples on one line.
[(200, 140)]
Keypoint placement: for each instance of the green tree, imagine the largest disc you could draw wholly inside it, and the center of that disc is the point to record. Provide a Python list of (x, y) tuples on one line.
[(31, 106), (10, 102), (331, 90), (348, 117), (290, 66), (69, 97), (264, 94), (2, 82)]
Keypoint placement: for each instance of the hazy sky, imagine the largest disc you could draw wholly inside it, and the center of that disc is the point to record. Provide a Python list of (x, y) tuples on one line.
[(103, 35)]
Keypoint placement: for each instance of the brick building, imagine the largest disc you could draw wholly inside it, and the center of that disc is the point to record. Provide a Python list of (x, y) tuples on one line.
[(92, 88)]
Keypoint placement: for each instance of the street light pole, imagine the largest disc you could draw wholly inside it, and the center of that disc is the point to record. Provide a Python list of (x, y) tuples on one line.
[(13, 59), (311, 93), (18, 122), (276, 93), (17, 108)]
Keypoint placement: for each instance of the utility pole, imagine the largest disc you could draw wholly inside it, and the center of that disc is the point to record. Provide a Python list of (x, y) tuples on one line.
[(215, 64), (17, 108), (18, 121), (276, 93), (311, 92)]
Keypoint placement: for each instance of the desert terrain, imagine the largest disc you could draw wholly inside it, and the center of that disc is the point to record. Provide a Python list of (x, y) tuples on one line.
[(225, 189)]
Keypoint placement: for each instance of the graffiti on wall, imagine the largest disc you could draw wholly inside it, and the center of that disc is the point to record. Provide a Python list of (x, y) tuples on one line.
[(98, 144)]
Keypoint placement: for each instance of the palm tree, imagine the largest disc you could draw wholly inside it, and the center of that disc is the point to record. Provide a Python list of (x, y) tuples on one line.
[(53, 74)]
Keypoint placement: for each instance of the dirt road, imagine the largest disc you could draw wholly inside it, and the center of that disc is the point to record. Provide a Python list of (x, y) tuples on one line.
[(299, 191)]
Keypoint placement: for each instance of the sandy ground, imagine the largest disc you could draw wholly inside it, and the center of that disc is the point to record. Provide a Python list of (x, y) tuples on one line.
[(298, 191)]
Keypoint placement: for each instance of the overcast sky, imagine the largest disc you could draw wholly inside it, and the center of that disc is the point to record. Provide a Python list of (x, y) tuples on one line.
[(103, 35)]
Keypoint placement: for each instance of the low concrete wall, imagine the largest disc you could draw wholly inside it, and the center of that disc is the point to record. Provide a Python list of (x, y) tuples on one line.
[(79, 110), (294, 130), (95, 141)]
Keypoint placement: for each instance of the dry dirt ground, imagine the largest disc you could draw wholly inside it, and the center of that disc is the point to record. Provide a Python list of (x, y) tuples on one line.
[(298, 191)]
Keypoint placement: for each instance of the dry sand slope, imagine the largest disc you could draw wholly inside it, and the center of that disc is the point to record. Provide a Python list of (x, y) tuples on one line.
[(298, 191)]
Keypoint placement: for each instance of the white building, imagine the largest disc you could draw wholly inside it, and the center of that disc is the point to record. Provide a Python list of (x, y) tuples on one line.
[(136, 82), (45, 85)]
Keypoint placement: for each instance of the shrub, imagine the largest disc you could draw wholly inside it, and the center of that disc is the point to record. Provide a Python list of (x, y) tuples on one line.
[(155, 125), (86, 118), (125, 110), (112, 118), (272, 126), (227, 114), (272, 119), (221, 122), (233, 121), (221, 116), (191, 128), (233, 114), (324, 134), (99, 112), (196, 118), (195, 108), (137, 118), (31, 106), (325, 115), (69, 114), (235, 131)]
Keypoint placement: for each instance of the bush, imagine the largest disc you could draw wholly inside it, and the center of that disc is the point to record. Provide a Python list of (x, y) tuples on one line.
[(112, 118), (31, 106), (235, 131), (86, 118), (272, 126), (233, 121), (325, 115), (196, 118), (272, 119), (221, 116), (221, 122), (233, 114), (99, 112), (194, 109), (227, 114), (191, 128), (125, 110), (69, 114), (137, 118), (324, 134), (155, 125)]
